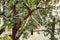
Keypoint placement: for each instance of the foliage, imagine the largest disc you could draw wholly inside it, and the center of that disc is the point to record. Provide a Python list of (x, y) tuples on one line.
[(40, 10), (5, 38)]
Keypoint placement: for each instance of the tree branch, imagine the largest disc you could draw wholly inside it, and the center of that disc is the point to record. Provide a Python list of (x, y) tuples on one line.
[(16, 27), (30, 11), (26, 6), (29, 14), (17, 24), (14, 9)]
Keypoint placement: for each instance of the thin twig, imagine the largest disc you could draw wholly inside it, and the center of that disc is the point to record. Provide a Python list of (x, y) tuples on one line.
[(35, 20), (26, 22), (45, 30)]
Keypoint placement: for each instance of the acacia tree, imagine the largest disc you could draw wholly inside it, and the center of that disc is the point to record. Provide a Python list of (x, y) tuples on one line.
[(17, 13)]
